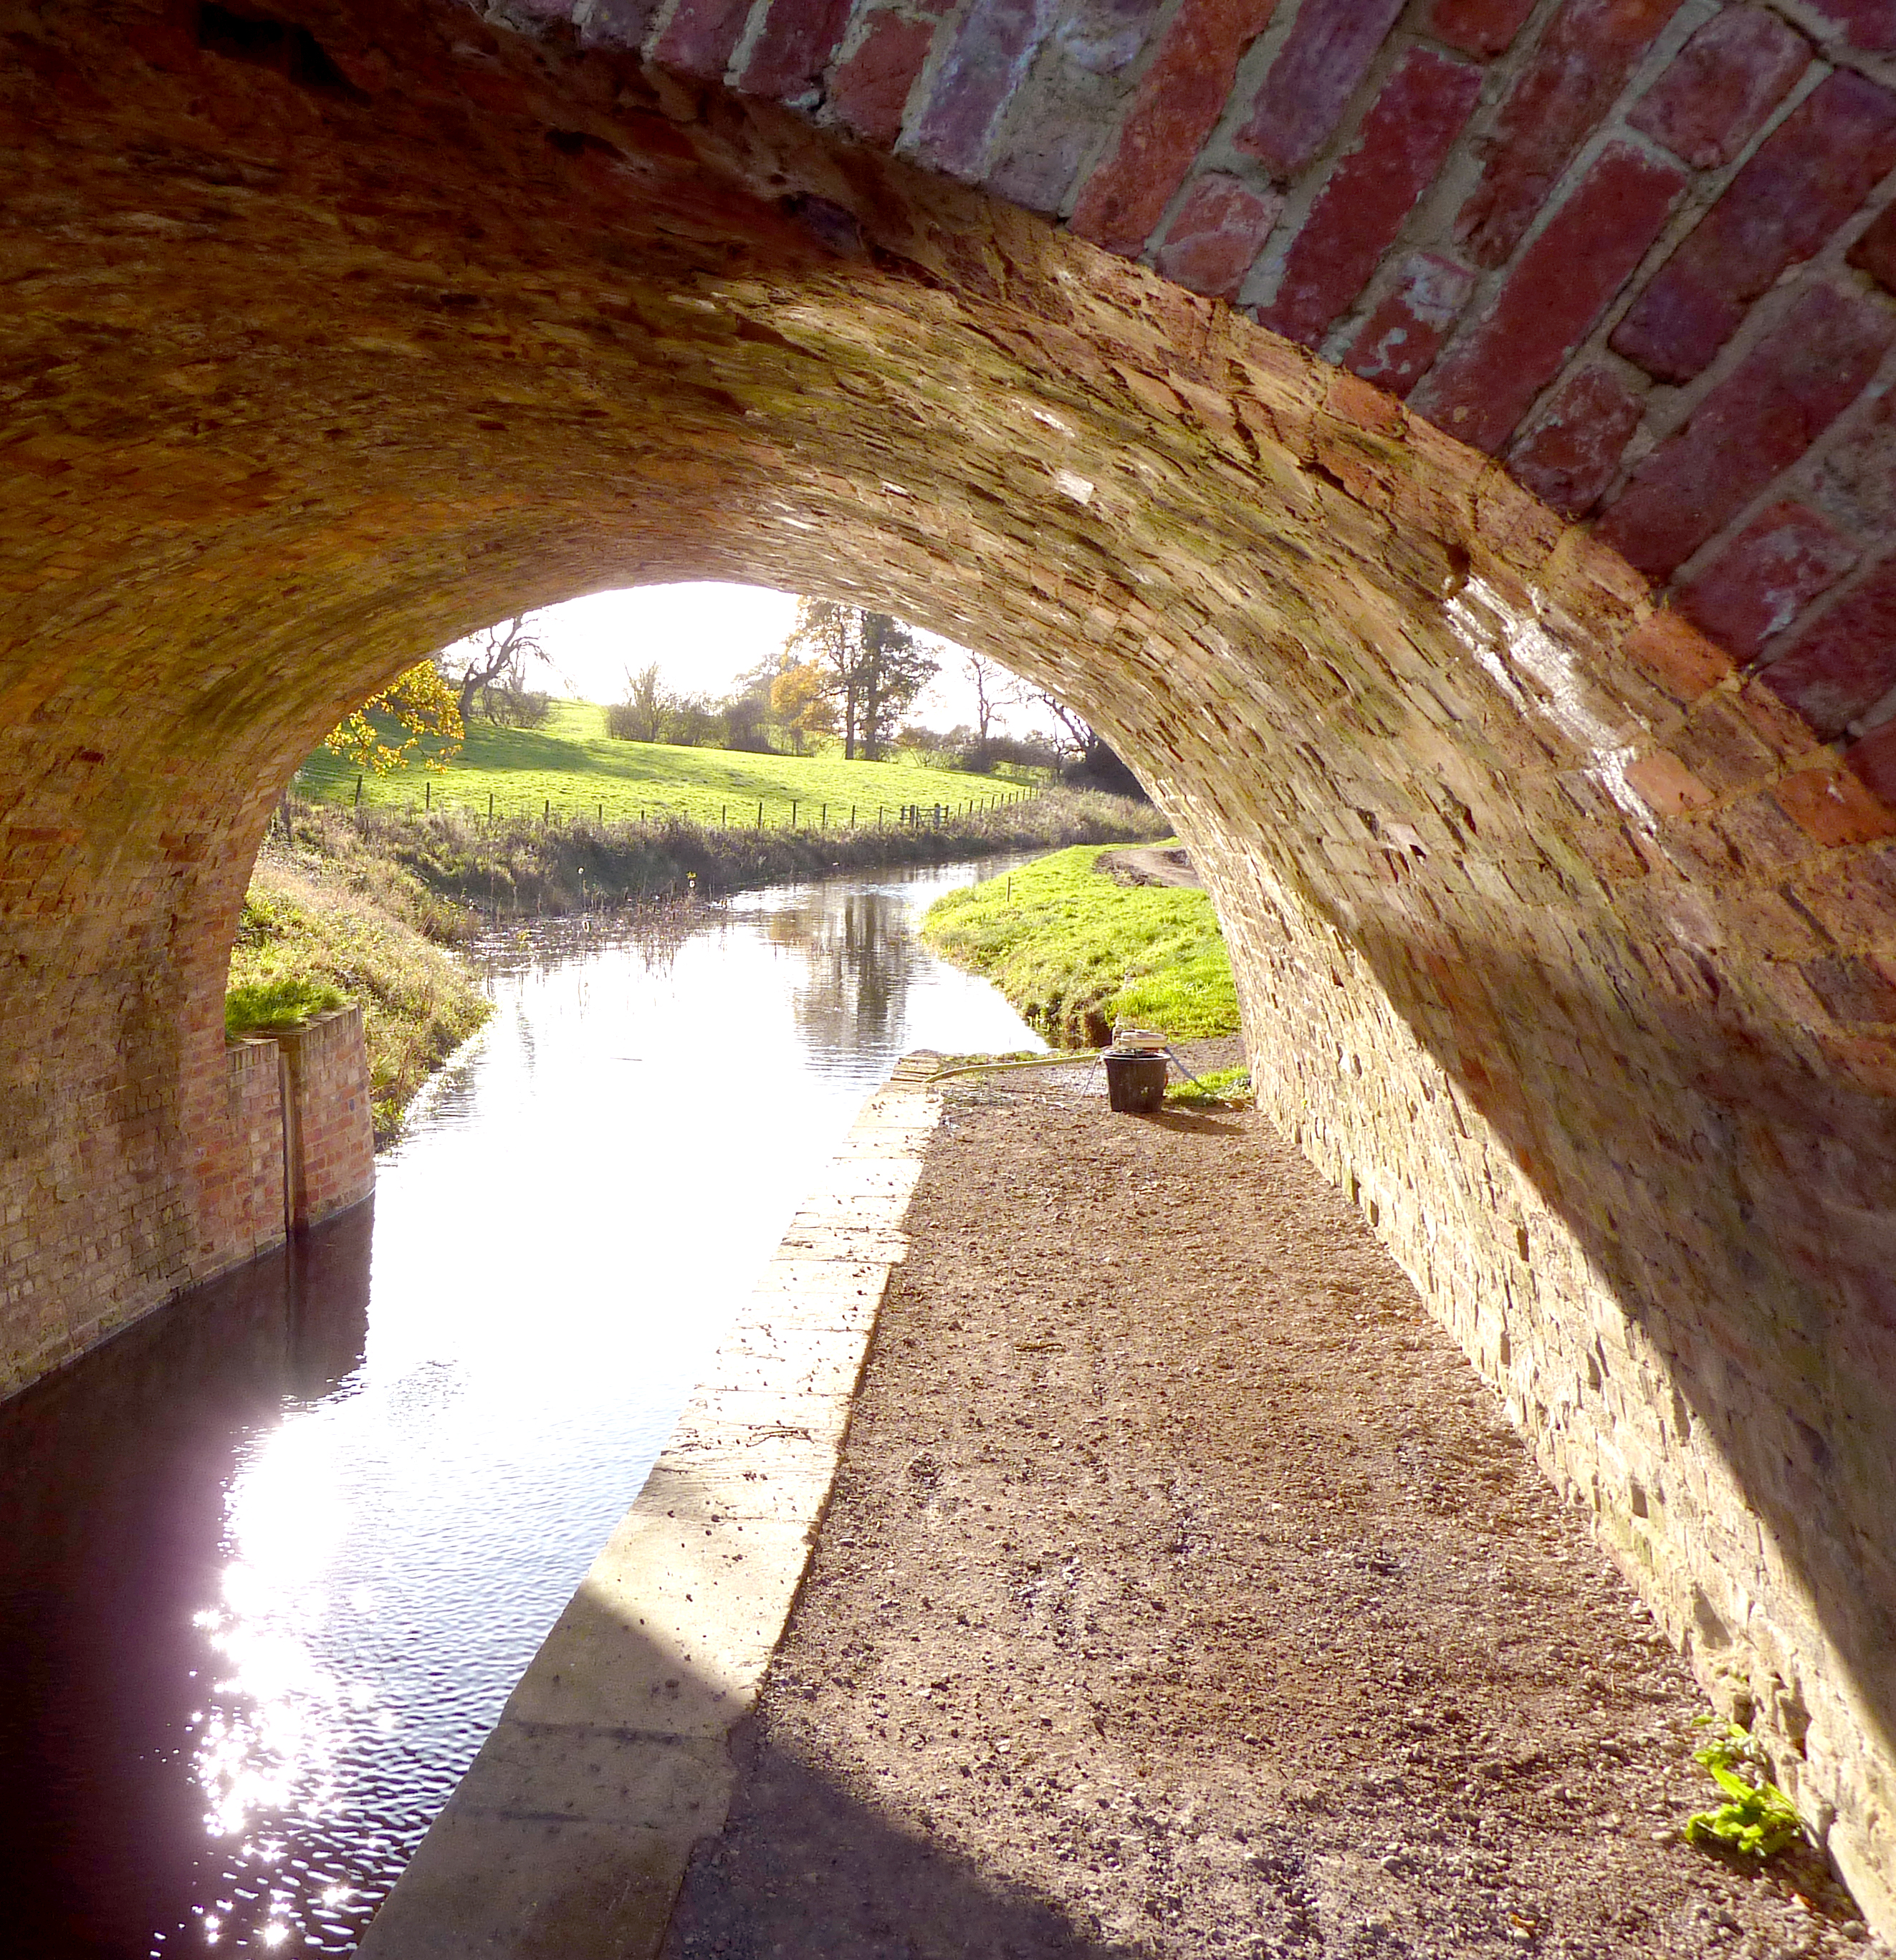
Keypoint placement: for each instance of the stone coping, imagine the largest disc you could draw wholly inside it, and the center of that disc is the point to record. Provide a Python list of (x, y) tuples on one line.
[(570, 1833)]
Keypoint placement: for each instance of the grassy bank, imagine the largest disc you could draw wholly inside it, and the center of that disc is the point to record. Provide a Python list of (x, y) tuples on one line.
[(570, 767), (318, 928), (1074, 952), (518, 867)]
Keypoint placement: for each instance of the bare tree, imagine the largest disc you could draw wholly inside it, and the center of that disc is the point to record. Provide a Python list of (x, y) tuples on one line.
[(492, 662), (995, 688), (1081, 737), (1093, 757)]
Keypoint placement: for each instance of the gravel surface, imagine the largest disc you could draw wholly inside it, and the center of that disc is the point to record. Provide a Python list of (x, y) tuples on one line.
[(1184, 1593)]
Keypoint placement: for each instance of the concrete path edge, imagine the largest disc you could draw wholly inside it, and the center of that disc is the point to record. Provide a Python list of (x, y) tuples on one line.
[(570, 1833)]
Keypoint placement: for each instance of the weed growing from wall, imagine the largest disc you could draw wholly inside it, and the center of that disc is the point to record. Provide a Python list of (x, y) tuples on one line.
[(1757, 1818)]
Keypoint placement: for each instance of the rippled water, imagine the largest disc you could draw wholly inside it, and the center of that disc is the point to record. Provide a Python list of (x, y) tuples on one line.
[(270, 1562)]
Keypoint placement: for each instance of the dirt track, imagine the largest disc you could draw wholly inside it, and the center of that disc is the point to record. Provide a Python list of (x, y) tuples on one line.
[(1146, 864), (1184, 1593)]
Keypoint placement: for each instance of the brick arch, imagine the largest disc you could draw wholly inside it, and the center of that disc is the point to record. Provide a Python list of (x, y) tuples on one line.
[(1642, 251), (1564, 941)]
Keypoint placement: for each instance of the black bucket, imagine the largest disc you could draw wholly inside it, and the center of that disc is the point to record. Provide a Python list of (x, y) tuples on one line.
[(1135, 1083)]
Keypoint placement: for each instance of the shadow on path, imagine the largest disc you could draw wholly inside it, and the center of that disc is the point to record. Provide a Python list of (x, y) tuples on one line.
[(803, 1868)]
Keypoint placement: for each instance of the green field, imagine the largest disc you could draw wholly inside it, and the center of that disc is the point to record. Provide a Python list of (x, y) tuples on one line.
[(1074, 952), (571, 767)]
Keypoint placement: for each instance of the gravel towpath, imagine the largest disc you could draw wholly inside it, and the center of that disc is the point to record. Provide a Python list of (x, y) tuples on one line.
[(1184, 1593)]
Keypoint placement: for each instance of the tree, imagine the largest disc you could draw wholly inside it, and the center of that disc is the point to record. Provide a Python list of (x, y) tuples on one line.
[(995, 688), (896, 668), (489, 663), (872, 669), (1095, 761), (826, 639), (643, 709), (690, 719), (952, 747), (799, 700), (743, 723), (1081, 738), (419, 704)]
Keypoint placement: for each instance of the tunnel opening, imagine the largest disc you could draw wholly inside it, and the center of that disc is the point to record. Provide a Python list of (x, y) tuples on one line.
[(1607, 913)]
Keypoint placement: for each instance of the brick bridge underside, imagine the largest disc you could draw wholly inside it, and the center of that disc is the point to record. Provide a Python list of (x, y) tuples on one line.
[(1445, 445)]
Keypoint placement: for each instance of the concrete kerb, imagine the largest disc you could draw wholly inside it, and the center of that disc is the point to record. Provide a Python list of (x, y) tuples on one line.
[(570, 1833)]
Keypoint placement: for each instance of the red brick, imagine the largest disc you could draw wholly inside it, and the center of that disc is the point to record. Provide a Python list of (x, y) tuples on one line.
[(1568, 84), (1765, 577), (1219, 229), (1759, 420), (1394, 346), (991, 52), (1810, 173), (794, 48), (1874, 760), (1482, 387), (1405, 136), (1868, 24), (1846, 662), (1483, 27), (1668, 784), (1836, 807), (1875, 251), (1728, 77), (1570, 448), (1677, 655), (1319, 68), (1780, 728), (1176, 106), (869, 92), (700, 38)]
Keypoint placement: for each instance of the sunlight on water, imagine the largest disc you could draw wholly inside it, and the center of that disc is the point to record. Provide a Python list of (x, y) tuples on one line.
[(380, 1518)]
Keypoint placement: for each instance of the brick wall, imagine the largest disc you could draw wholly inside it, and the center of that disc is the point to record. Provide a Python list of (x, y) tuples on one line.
[(327, 1117), (56, 1306), (241, 1210), (279, 1138), (1565, 925)]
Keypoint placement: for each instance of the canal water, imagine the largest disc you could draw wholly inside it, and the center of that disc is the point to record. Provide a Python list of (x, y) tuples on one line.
[(271, 1561)]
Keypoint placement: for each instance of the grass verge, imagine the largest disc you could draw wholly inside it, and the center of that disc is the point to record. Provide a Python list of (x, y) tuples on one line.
[(284, 1001), (318, 929), (571, 764), (1074, 952)]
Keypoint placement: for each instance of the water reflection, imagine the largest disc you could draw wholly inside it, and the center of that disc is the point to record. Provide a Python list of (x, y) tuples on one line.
[(273, 1559), (112, 1479), (861, 955)]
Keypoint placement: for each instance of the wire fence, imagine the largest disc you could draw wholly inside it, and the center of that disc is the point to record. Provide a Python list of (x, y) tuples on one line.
[(800, 814)]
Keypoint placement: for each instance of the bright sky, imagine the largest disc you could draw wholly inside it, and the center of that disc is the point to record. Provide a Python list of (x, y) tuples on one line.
[(702, 637)]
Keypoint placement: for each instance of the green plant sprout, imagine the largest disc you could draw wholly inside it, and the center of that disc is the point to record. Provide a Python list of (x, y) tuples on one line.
[(1757, 1819)]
